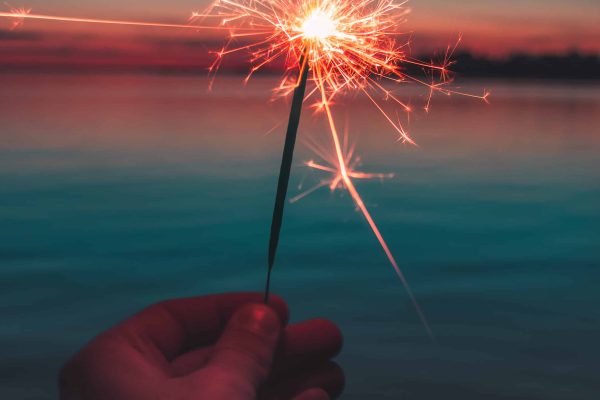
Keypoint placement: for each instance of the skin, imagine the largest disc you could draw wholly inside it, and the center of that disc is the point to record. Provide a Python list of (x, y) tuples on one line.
[(227, 346)]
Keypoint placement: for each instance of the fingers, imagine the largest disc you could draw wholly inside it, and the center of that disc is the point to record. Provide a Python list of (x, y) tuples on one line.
[(307, 343), (174, 326), (329, 377), (301, 346), (243, 356), (229, 303)]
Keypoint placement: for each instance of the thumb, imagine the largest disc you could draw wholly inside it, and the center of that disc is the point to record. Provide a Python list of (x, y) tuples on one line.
[(244, 353)]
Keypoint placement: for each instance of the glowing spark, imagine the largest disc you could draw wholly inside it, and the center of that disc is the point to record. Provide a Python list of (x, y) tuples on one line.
[(19, 15), (318, 26), (345, 176)]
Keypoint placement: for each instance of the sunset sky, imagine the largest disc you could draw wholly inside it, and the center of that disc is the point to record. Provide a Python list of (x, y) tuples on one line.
[(493, 28)]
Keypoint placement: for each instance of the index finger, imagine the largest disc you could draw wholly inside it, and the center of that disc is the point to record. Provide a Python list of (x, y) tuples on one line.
[(174, 326)]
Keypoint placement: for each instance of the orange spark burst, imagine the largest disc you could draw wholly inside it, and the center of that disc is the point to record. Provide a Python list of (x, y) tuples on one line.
[(352, 45), (330, 165), (18, 15)]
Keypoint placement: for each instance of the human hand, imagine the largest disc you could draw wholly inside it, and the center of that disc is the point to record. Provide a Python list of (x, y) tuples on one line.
[(227, 347)]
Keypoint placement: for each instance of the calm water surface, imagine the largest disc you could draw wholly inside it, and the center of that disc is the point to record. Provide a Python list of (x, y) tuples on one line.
[(119, 191)]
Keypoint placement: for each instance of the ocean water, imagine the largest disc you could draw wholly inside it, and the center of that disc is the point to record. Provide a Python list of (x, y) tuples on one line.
[(118, 191)]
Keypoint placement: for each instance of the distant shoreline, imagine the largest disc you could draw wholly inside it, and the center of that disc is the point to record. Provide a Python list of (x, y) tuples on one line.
[(569, 67)]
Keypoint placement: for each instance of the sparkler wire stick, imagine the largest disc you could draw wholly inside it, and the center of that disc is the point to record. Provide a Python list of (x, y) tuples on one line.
[(286, 165)]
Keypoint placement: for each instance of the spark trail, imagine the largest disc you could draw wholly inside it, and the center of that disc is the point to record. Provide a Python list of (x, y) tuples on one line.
[(349, 184), (20, 15)]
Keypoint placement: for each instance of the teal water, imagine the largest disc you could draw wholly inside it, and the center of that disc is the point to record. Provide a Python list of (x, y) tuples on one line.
[(119, 191)]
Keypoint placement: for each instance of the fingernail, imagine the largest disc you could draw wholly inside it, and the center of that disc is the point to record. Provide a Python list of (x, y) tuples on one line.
[(259, 319)]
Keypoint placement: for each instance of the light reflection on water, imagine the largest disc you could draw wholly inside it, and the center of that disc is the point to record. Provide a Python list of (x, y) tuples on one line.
[(117, 191)]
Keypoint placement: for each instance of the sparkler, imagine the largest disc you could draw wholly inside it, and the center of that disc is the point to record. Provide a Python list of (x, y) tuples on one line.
[(329, 47), (346, 45)]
